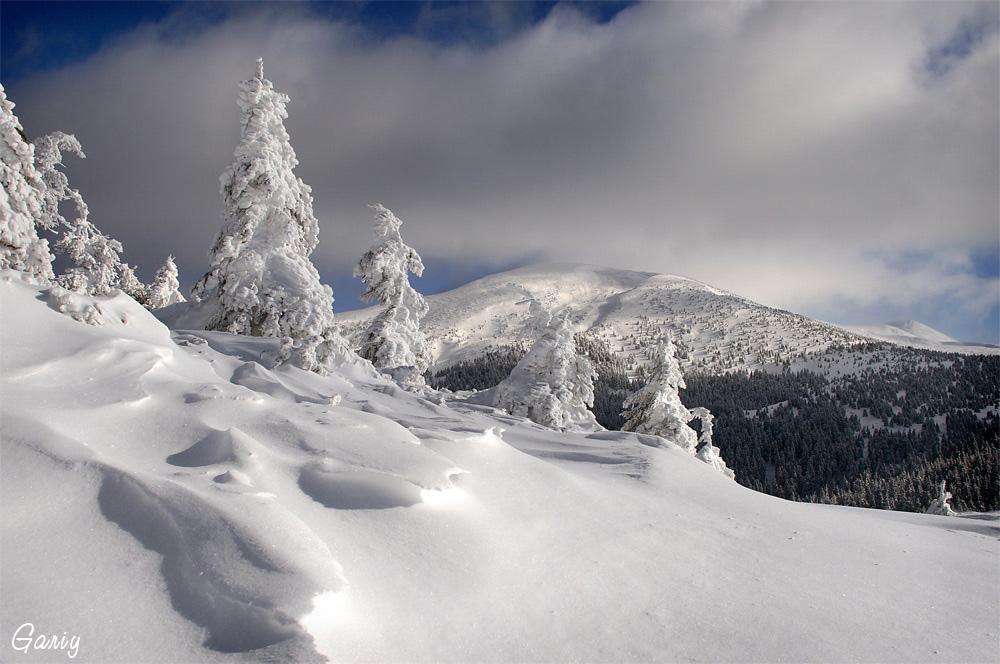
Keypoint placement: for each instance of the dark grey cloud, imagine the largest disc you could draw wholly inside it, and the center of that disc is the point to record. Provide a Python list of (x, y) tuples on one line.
[(791, 152)]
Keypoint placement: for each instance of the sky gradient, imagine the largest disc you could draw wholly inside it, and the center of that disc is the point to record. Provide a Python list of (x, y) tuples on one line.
[(840, 160)]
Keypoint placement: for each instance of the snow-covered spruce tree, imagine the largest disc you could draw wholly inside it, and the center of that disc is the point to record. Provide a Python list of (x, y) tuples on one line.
[(551, 385), (98, 268), (261, 279), (393, 342), (656, 408), (22, 198), (165, 289), (707, 452), (942, 505)]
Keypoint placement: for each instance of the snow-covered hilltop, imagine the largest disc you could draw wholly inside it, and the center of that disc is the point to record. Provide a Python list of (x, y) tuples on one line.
[(917, 335), (171, 496), (716, 330)]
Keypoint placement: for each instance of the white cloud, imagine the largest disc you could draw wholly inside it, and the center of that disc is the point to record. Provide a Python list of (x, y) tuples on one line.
[(768, 149)]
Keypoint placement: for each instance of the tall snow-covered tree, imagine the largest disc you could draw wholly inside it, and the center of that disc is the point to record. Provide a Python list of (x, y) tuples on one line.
[(98, 267), (393, 342), (165, 289), (551, 385), (262, 281), (22, 199), (656, 408)]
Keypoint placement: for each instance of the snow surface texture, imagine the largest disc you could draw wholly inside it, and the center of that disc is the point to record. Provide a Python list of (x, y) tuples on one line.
[(717, 330), (167, 496)]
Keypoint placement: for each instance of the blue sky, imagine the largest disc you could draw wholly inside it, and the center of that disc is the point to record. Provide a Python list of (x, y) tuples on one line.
[(836, 159)]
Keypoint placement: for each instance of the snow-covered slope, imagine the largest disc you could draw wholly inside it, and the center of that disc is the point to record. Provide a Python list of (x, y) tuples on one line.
[(168, 497), (917, 335), (715, 330)]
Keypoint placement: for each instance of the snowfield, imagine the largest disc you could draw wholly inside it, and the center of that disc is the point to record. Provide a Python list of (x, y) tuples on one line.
[(168, 497)]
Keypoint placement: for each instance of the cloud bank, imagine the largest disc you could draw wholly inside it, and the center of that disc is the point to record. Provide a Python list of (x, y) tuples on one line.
[(836, 159)]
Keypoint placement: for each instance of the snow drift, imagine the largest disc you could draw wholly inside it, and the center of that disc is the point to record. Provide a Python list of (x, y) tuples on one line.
[(170, 496)]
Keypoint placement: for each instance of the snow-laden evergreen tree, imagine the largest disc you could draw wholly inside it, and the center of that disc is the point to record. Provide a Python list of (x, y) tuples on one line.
[(22, 199), (942, 505), (708, 452), (393, 342), (98, 267), (48, 154), (165, 289), (261, 280), (552, 384), (656, 408)]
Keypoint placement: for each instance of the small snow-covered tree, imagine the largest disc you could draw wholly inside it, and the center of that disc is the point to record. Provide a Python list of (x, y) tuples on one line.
[(165, 289), (656, 408), (708, 452), (942, 505), (96, 258), (393, 342), (98, 267), (22, 199), (551, 385), (261, 280)]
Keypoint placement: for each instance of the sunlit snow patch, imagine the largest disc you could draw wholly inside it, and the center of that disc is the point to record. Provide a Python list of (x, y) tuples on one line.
[(329, 609), (441, 497)]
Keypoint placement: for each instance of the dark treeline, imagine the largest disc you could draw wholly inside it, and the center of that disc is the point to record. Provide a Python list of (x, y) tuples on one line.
[(481, 373), (882, 437)]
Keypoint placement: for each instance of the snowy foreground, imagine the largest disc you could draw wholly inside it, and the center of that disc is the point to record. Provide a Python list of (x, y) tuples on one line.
[(166, 497)]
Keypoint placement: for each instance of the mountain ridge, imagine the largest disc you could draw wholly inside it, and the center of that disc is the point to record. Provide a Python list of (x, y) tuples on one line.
[(715, 330), (919, 335)]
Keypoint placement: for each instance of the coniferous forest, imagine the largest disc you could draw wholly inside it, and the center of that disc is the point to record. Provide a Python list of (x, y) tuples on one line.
[(882, 436)]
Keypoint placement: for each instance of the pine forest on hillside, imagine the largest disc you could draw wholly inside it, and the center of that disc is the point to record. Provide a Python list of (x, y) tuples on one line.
[(883, 437)]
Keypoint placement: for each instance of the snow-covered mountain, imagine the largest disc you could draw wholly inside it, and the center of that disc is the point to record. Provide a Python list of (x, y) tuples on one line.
[(168, 496), (917, 335), (628, 310)]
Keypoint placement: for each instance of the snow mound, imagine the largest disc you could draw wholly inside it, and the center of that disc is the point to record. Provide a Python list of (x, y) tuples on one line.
[(359, 490), (217, 447)]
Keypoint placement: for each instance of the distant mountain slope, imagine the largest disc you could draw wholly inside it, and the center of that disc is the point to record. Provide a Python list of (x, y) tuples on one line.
[(715, 330), (917, 335), (628, 310)]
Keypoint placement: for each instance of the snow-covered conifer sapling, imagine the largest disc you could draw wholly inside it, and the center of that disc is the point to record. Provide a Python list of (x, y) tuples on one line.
[(393, 341)]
